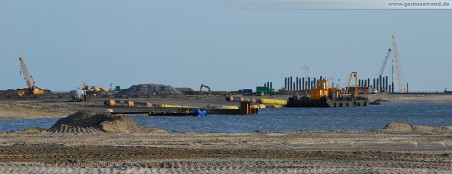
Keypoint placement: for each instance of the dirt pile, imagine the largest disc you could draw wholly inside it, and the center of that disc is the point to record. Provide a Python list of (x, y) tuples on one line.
[(407, 128), (148, 90), (88, 122), (187, 91), (398, 127)]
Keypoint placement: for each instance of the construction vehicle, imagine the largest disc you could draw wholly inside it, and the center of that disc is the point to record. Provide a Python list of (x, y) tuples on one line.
[(204, 86), (92, 89), (324, 96), (32, 89), (263, 90), (77, 95), (355, 91)]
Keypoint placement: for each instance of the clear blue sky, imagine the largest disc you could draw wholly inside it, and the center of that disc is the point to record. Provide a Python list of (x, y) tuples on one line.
[(184, 44)]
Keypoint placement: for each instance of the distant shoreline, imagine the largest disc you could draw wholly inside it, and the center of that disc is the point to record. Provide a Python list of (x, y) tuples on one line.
[(55, 107)]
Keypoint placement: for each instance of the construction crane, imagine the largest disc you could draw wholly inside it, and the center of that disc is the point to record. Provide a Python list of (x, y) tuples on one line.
[(385, 62), (355, 75), (397, 66), (31, 84)]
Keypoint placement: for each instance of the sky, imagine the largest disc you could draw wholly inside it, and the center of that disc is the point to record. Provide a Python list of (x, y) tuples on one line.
[(189, 43)]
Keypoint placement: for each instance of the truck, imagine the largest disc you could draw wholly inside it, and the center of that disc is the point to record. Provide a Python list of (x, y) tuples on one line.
[(263, 90), (247, 91)]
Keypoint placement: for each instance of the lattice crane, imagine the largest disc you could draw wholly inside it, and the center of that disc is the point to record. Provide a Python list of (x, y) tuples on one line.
[(31, 84), (397, 66), (382, 70)]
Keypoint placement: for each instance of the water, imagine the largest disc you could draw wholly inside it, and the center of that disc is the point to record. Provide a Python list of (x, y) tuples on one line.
[(287, 119)]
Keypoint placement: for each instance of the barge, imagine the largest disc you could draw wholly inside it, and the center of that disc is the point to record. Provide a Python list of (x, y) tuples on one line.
[(324, 96), (302, 101)]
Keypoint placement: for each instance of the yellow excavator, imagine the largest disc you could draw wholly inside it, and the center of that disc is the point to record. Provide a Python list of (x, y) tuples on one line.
[(93, 89), (31, 84)]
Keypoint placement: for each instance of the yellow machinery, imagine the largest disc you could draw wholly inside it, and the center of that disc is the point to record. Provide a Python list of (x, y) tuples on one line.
[(355, 75), (272, 101), (324, 96), (323, 90), (93, 89), (31, 84)]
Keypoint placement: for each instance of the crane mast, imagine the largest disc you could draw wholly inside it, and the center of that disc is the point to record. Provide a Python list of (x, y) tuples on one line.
[(24, 71), (31, 84), (385, 62), (397, 65)]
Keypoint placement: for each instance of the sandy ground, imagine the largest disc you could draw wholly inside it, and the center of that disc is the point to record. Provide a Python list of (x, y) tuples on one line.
[(187, 152)]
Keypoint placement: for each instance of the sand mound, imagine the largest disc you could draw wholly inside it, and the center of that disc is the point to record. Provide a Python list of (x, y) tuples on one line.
[(88, 122), (398, 127), (422, 128), (407, 128), (148, 90), (444, 129)]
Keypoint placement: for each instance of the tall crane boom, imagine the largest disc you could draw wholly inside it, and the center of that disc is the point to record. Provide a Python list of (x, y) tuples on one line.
[(397, 65), (31, 84), (385, 62), (355, 75), (24, 71)]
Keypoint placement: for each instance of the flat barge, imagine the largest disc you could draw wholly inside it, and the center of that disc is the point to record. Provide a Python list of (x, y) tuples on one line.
[(297, 101), (324, 96)]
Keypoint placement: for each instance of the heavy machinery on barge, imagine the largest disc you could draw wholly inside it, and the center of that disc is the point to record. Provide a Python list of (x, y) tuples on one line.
[(324, 96)]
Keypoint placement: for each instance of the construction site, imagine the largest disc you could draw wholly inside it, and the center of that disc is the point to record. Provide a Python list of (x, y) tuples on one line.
[(229, 86), (99, 118), (304, 91)]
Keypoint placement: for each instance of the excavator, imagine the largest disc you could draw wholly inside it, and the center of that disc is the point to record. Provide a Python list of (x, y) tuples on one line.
[(204, 86), (93, 89), (31, 84)]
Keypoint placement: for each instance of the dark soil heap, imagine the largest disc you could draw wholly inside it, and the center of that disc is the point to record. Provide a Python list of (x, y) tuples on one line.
[(87, 122), (145, 90)]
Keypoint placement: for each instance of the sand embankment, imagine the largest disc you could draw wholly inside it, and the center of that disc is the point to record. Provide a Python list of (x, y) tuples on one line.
[(100, 143), (398, 148)]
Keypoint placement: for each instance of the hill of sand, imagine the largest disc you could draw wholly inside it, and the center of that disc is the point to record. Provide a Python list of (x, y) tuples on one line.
[(87, 122), (407, 128)]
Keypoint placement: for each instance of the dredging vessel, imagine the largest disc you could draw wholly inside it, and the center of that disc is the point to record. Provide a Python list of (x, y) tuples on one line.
[(324, 96)]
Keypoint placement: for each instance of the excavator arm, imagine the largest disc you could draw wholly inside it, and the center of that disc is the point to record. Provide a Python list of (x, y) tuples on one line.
[(204, 86)]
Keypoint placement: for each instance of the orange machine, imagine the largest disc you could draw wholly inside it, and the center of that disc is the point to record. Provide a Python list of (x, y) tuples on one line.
[(31, 84), (323, 90)]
